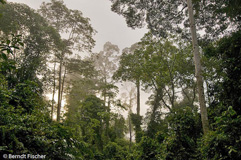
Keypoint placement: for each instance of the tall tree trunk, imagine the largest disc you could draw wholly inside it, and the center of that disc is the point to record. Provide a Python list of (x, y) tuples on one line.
[(138, 123), (59, 92), (198, 70), (129, 120), (52, 110), (107, 104), (105, 83), (108, 119), (62, 87), (138, 97)]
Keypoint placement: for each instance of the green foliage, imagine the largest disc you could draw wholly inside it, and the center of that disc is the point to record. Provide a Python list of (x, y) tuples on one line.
[(70, 22), (2, 1), (227, 90), (6, 50), (229, 50), (179, 141), (137, 122), (129, 69), (25, 125), (166, 66), (26, 95), (147, 149), (185, 121), (92, 115), (224, 143), (38, 37), (82, 80), (167, 16), (113, 151), (91, 130), (117, 127), (184, 131)]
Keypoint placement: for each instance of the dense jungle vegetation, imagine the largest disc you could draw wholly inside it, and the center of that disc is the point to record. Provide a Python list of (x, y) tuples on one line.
[(39, 56)]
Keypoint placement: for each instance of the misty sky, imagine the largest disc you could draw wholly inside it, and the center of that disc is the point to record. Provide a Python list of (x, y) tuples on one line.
[(109, 26)]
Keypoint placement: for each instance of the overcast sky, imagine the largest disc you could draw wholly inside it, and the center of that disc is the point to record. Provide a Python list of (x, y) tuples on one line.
[(109, 26)]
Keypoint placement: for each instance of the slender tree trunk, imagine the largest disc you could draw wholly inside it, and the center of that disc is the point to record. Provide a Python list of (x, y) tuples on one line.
[(138, 97), (173, 95), (108, 119), (62, 87), (194, 94), (105, 83), (198, 70), (59, 92), (129, 119), (107, 104), (138, 125), (52, 110)]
